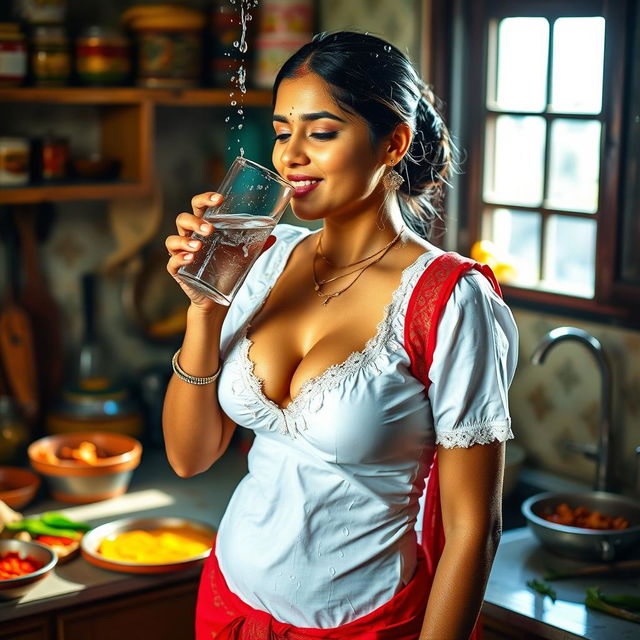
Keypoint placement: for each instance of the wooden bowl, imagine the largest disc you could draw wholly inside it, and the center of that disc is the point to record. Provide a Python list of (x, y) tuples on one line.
[(79, 483), (18, 486)]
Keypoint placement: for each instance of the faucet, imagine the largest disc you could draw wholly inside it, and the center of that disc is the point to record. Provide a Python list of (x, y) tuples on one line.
[(602, 453)]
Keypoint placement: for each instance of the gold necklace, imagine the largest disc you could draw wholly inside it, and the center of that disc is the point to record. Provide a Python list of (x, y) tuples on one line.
[(319, 283), (344, 266)]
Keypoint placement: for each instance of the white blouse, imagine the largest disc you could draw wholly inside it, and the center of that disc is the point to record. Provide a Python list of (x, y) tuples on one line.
[(322, 529)]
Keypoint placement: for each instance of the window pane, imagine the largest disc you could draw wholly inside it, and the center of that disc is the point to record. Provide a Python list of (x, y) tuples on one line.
[(521, 69), (570, 255), (574, 165), (515, 160), (516, 236), (578, 55)]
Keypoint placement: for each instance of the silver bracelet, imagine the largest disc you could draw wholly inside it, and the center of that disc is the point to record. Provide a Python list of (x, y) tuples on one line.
[(185, 377)]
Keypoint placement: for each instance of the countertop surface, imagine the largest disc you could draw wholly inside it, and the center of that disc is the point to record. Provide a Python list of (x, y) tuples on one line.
[(521, 558), (155, 490)]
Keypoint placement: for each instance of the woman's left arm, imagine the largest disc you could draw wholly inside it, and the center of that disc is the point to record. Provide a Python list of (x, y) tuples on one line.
[(471, 502)]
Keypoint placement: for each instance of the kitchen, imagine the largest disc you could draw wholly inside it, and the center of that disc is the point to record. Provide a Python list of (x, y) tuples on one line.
[(90, 253)]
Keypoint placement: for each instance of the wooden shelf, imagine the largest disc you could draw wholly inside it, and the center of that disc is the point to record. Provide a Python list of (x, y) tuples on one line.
[(85, 191), (133, 95)]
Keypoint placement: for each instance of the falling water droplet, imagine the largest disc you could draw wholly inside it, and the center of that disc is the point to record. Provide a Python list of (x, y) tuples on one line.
[(240, 112), (243, 47), (233, 103), (236, 44), (345, 530), (332, 571), (226, 119), (387, 48), (240, 126)]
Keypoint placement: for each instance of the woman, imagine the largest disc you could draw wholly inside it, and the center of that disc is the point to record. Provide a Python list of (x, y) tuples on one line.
[(319, 539)]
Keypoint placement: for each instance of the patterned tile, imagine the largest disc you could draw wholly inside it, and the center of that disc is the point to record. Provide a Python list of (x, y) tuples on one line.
[(567, 375), (540, 402)]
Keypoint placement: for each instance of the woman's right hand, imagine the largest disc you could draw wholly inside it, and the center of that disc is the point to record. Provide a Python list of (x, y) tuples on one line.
[(182, 247)]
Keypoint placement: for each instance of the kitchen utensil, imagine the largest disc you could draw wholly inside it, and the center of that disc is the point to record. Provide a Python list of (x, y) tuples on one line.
[(18, 486), (584, 544), (78, 482), (134, 222), (42, 309), (16, 587), (17, 351), (91, 542)]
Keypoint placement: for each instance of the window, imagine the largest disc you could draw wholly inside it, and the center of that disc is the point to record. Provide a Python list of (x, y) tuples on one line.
[(536, 93)]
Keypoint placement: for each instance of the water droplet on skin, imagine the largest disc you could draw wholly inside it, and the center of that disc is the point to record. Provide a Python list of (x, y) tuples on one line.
[(332, 571), (345, 531)]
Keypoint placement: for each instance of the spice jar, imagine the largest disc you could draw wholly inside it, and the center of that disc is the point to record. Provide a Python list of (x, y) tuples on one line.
[(102, 57), (50, 56), (14, 161), (50, 158), (169, 39), (13, 55)]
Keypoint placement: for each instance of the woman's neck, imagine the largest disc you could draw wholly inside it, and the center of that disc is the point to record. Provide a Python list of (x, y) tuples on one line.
[(347, 239)]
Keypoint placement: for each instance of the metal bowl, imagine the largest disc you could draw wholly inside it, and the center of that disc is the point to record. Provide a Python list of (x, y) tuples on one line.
[(604, 545), (80, 483), (91, 542), (16, 587)]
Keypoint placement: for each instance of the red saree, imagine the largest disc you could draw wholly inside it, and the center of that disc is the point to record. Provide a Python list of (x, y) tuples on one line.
[(221, 615)]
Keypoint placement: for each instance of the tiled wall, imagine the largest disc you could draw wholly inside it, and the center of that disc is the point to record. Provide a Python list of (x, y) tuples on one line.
[(560, 400)]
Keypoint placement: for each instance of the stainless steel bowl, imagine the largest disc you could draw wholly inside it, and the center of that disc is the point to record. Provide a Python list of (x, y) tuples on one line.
[(584, 544), (16, 587), (91, 543)]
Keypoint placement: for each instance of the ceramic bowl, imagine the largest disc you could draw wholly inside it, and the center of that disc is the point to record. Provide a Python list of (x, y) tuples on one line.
[(77, 482), (16, 587), (91, 543), (604, 545), (18, 486)]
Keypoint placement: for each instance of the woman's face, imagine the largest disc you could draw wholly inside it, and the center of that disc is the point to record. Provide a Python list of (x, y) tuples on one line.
[(324, 151)]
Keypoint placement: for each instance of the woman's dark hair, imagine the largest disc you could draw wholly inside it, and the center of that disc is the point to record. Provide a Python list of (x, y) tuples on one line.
[(373, 79)]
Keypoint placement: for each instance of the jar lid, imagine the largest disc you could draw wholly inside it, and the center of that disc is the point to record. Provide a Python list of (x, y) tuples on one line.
[(50, 33), (103, 35)]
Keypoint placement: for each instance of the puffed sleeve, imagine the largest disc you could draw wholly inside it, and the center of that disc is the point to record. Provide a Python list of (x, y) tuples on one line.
[(473, 365)]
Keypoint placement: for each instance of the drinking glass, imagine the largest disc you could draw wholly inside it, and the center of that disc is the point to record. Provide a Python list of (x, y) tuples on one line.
[(254, 200)]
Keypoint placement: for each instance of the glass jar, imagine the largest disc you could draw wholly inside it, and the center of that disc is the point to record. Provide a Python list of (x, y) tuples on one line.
[(13, 55), (14, 161), (50, 56), (102, 57), (50, 158)]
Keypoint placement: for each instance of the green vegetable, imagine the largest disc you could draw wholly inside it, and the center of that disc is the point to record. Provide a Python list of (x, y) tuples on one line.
[(61, 521), (615, 605), (542, 588), (38, 528)]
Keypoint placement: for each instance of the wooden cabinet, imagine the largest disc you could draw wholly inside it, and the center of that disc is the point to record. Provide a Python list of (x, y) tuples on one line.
[(164, 613), (37, 628), (126, 123)]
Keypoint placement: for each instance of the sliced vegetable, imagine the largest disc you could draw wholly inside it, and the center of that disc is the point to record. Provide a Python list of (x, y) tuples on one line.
[(613, 604), (543, 588), (13, 566), (56, 540), (61, 521), (38, 528)]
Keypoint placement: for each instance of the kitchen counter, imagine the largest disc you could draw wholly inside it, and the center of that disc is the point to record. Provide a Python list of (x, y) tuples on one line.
[(508, 599), (155, 490)]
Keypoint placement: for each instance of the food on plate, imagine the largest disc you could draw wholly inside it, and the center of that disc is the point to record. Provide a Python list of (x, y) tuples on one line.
[(85, 453), (584, 518), (155, 546), (12, 565)]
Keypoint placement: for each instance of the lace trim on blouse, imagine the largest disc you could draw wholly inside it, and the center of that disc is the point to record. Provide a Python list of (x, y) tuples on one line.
[(479, 433), (291, 418)]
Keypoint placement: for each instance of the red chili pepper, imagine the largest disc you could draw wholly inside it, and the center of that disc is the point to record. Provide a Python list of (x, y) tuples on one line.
[(51, 540)]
